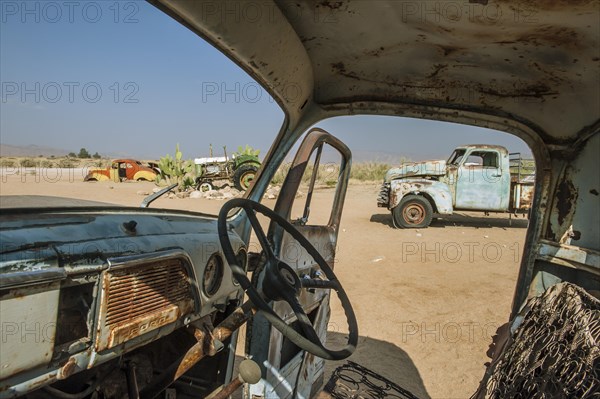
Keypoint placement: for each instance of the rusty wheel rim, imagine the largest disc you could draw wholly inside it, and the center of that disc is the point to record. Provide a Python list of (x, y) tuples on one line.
[(414, 213), (246, 179)]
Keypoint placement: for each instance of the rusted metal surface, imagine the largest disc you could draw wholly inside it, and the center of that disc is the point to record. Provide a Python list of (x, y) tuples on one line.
[(572, 203), (226, 391), (459, 183), (122, 169), (267, 343), (521, 170), (569, 255), (566, 196), (315, 138), (204, 347), (521, 196), (234, 321), (139, 299), (209, 342), (437, 192), (22, 277), (498, 57), (36, 383), (67, 369), (70, 247), (415, 169)]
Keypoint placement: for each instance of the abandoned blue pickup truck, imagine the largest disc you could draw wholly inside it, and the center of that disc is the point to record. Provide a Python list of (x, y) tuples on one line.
[(475, 178)]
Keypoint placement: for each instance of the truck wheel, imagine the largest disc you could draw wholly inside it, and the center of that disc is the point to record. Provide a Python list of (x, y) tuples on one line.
[(243, 176), (413, 211)]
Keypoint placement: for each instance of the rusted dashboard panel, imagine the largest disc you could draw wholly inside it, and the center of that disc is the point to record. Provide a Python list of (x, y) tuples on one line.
[(141, 296), (80, 293)]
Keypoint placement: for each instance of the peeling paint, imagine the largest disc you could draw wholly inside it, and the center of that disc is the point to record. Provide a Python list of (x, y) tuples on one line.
[(566, 196), (437, 191), (485, 184)]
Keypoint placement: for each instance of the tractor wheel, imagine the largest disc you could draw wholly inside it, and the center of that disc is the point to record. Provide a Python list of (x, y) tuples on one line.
[(206, 186), (414, 211), (243, 176)]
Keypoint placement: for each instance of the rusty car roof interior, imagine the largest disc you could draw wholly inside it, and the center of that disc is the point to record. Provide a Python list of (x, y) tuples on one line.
[(522, 69)]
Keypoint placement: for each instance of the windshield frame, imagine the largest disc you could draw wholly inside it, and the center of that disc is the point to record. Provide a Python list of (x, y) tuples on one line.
[(459, 154)]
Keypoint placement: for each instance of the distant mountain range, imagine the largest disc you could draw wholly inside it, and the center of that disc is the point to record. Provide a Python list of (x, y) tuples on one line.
[(32, 150), (7, 150)]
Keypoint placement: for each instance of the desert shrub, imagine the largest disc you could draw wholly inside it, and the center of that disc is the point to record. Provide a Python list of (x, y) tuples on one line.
[(328, 173), (188, 183), (369, 171), (46, 164), (280, 175), (27, 163), (7, 163), (67, 163)]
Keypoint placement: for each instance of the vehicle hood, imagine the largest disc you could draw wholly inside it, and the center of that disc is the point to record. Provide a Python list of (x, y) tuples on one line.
[(46, 232), (416, 169), (47, 201)]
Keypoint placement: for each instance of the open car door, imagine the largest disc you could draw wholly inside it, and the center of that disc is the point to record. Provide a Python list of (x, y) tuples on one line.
[(289, 371)]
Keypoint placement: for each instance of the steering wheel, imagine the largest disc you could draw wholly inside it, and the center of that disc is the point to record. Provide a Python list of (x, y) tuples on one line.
[(281, 283)]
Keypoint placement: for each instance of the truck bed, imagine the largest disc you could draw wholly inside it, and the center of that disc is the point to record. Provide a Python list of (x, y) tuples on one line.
[(522, 182)]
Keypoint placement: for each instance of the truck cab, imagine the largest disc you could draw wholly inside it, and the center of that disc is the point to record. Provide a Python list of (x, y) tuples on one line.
[(476, 177)]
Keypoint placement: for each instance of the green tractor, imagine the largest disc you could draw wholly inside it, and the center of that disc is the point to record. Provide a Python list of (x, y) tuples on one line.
[(240, 168)]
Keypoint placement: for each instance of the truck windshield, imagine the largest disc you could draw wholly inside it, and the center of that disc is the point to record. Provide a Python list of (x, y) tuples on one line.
[(456, 157)]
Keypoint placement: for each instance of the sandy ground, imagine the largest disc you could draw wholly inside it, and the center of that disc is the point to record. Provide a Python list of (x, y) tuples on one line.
[(427, 301)]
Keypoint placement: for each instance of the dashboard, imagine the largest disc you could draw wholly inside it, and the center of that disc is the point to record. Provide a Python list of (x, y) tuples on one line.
[(85, 285)]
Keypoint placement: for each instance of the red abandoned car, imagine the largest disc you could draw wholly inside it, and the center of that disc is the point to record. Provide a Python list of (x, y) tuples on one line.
[(122, 169)]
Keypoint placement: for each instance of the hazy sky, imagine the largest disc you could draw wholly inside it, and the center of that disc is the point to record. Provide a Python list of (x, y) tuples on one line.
[(123, 78)]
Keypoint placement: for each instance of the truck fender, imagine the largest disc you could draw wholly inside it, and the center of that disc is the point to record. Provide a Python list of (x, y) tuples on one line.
[(436, 192)]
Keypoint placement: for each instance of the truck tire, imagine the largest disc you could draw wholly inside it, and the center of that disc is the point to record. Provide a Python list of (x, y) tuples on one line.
[(414, 211), (243, 176)]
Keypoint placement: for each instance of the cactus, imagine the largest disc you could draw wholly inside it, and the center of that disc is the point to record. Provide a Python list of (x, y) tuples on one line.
[(175, 170), (247, 151)]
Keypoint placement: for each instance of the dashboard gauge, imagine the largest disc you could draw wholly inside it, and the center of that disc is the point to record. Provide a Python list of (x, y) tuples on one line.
[(213, 275)]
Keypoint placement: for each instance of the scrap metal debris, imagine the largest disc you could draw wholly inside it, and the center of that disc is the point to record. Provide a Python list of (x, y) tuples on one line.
[(352, 380)]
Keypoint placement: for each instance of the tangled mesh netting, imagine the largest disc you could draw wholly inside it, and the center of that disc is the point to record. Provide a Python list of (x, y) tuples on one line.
[(352, 380), (554, 352)]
